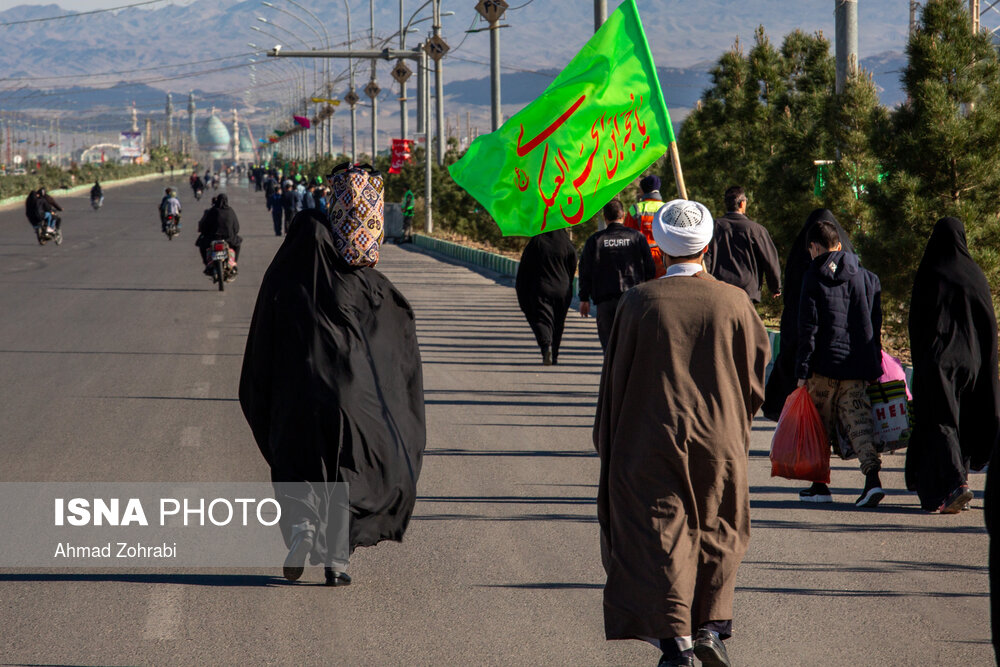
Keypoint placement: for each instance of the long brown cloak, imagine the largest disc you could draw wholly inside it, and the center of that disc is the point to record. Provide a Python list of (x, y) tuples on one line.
[(683, 377)]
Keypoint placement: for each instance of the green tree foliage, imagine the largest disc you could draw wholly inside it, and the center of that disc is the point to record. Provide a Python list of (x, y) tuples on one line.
[(852, 118), (940, 148), (761, 125)]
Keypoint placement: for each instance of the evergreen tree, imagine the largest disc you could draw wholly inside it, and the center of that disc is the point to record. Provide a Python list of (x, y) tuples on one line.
[(940, 149), (852, 119)]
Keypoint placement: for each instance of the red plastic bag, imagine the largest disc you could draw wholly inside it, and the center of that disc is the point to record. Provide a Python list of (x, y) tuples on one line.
[(800, 449)]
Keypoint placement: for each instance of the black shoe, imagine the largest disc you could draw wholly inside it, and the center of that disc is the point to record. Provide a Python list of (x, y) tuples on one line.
[(817, 493), (679, 661), (337, 578), (956, 500), (710, 649), (546, 356), (872, 494), (295, 561)]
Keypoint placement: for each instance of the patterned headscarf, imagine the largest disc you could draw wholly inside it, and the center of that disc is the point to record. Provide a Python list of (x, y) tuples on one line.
[(357, 217)]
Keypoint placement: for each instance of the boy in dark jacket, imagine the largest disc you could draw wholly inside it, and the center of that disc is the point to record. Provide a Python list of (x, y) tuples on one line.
[(840, 352)]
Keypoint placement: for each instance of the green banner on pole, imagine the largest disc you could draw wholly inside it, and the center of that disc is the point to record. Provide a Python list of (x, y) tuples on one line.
[(595, 129)]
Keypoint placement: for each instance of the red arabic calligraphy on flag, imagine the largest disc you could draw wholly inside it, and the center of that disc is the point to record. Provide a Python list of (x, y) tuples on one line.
[(596, 128)]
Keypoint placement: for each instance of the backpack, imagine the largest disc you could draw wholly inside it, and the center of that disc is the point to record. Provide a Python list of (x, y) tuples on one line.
[(357, 212)]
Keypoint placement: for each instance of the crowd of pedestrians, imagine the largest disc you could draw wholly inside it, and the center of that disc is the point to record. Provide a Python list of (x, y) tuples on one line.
[(683, 376), (284, 197)]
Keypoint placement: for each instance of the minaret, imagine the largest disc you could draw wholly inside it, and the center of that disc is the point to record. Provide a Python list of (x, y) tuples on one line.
[(170, 121), (236, 136), (135, 119), (194, 139)]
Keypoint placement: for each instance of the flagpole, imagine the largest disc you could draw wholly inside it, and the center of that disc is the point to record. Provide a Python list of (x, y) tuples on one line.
[(675, 162)]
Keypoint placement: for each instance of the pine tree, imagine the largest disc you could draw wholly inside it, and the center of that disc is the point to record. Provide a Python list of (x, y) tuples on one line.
[(852, 118), (940, 149)]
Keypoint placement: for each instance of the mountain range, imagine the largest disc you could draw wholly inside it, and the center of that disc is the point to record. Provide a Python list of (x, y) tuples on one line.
[(145, 52)]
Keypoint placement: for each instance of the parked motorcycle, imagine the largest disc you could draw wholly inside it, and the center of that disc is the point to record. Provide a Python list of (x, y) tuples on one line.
[(222, 260), (53, 233), (172, 226)]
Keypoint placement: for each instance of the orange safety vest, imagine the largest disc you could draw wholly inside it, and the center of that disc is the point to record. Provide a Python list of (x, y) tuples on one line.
[(640, 216)]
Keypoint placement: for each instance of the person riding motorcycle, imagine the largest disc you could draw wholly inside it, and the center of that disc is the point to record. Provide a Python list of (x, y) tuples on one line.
[(170, 205), (97, 194), (219, 222), (197, 185), (46, 205)]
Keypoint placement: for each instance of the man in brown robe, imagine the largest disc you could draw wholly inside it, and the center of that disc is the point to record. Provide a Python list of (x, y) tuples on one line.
[(683, 378)]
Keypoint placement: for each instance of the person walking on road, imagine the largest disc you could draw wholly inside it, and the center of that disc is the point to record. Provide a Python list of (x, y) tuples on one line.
[(781, 382), (288, 202), (742, 252), (613, 261), (953, 339), (682, 379), (545, 288), (641, 215), (276, 208), (333, 392), (840, 353)]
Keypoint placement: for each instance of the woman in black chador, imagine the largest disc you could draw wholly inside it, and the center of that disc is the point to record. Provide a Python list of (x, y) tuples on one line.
[(545, 288), (953, 339), (782, 380), (333, 392)]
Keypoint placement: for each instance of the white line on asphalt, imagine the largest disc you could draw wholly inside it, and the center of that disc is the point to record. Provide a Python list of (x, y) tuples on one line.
[(217, 317), (164, 617), (208, 359), (191, 436), (200, 389), (212, 334), (220, 302)]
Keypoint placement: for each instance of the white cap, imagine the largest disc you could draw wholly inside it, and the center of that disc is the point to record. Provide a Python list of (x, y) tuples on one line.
[(682, 228)]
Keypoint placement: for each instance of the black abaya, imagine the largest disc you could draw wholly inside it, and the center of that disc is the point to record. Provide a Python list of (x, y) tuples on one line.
[(782, 380), (953, 340), (545, 286), (332, 386)]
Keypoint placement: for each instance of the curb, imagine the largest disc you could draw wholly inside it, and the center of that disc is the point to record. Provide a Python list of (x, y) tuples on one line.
[(19, 200)]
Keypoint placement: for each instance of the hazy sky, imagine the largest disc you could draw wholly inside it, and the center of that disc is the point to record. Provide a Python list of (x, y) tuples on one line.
[(76, 5)]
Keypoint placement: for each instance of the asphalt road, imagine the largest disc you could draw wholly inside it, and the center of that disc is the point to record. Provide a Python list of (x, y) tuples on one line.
[(120, 362)]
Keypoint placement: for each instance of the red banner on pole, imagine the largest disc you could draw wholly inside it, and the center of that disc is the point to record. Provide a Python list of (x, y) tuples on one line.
[(400, 154)]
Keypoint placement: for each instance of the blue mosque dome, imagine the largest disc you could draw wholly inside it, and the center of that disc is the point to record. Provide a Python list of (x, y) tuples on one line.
[(214, 138)]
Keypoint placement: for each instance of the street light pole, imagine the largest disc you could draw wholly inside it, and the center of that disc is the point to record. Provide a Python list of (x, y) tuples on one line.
[(438, 88), (428, 165), (403, 113), (600, 13), (374, 85), (354, 105)]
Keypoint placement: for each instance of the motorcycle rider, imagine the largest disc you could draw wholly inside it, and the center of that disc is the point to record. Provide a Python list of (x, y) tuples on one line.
[(97, 194), (31, 210), (170, 205), (46, 205), (219, 222), (197, 185)]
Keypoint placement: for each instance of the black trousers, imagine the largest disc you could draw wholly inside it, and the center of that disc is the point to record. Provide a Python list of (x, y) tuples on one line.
[(605, 319), (276, 214), (548, 319)]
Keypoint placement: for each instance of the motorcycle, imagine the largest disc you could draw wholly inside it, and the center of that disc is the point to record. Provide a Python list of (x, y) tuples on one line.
[(222, 260), (46, 233), (96, 202), (197, 194), (172, 227)]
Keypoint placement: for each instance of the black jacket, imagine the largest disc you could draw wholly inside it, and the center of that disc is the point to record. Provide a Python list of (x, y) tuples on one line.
[(288, 199), (743, 254), (220, 222), (614, 260), (840, 320)]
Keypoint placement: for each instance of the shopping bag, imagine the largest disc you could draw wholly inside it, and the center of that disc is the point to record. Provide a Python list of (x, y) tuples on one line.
[(800, 449), (892, 369), (890, 415)]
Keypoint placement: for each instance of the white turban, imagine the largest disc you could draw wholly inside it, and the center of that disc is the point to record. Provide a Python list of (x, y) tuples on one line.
[(682, 228)]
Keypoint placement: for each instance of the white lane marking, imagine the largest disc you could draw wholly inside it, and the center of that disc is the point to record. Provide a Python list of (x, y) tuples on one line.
[(212, 334), (163, 620), (191, 436), (217, 318), (220, 302), (200, 389), (208, 359)]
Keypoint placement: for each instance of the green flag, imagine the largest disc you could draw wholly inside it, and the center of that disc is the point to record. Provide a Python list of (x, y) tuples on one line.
[(596, 128)]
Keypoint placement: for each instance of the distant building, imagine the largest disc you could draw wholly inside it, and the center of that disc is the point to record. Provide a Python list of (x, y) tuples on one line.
[(213, 138)]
